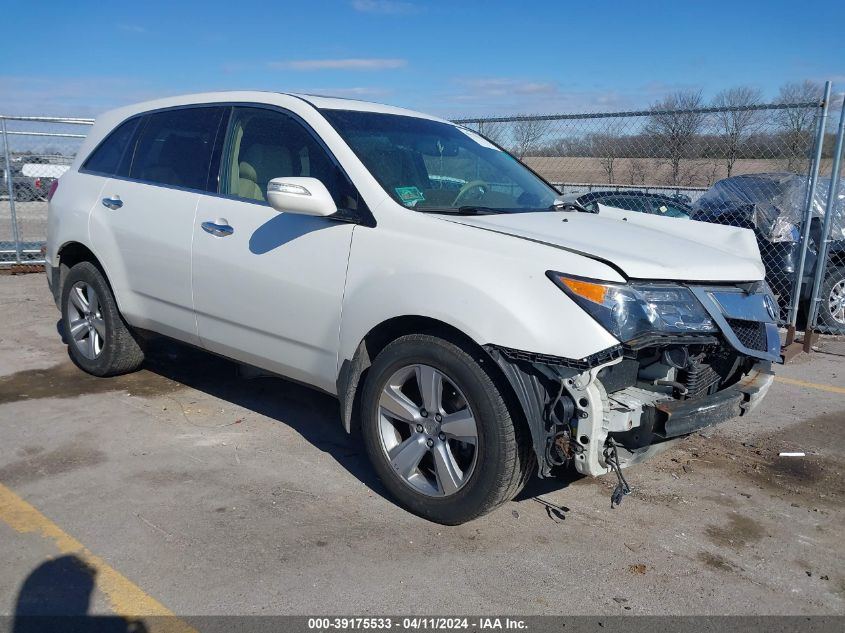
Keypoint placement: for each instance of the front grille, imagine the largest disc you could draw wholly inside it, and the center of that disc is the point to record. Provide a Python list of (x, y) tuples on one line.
[(752, 334)]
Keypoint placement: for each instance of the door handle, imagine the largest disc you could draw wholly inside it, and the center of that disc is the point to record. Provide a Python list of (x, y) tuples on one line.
[(113, 203), (220, 228)]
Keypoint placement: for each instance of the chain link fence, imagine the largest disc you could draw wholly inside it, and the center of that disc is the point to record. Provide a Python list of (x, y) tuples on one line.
[(749, 165), (827, 244), (35, 152), (766, 167)]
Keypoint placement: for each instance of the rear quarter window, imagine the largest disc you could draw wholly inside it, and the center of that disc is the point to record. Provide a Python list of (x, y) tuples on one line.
[(108, 154)]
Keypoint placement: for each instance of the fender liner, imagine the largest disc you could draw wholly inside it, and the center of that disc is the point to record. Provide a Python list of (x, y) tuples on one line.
[(537, 385), (347, 382)]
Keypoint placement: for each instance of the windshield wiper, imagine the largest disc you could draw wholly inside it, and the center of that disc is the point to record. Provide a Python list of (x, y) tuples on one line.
[(476, 210), (464, 210)]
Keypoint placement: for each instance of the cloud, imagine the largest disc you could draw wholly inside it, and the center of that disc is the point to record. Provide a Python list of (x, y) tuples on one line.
[(499, 86), (388, 7), (80, 96), (132, 28), (356, 92), (503, 96), (352, 63)]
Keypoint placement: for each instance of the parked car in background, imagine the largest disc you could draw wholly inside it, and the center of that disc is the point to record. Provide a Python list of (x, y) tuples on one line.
[(773, 205), (41, 172), (475, 334), (25, 189), (30, 180), (640, 201)]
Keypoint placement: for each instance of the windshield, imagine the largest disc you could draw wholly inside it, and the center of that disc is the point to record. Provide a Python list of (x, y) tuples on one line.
[(439, 167)]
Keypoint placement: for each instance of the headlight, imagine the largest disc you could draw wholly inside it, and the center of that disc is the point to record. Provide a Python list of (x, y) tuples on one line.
[(630, 310)]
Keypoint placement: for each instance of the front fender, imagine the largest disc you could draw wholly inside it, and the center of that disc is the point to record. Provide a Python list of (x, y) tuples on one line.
[(491, 287)]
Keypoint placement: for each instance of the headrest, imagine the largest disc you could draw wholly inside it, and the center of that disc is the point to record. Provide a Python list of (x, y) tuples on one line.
[(274, 160), (247, 171)]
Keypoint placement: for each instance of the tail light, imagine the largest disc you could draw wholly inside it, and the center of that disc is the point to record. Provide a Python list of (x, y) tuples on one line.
[(53, 187), (38, 183)]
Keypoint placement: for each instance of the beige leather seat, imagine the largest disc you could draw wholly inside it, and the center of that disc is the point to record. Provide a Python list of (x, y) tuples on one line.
[(248, 182), (269, 161)]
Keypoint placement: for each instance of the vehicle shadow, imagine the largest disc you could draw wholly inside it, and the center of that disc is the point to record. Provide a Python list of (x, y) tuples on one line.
[(310, 412), (56, 596), (281, 229)]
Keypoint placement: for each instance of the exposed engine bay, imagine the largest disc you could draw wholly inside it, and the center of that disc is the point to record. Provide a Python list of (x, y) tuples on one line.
[(624, 404)]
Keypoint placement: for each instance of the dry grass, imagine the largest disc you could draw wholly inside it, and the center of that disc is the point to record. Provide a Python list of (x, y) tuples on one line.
[(648, 171)]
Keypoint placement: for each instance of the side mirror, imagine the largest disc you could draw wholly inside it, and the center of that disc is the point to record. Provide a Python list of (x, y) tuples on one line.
[(306, 196)]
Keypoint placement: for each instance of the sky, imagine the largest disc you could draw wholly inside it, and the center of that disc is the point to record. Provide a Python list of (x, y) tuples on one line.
[(451, 58)]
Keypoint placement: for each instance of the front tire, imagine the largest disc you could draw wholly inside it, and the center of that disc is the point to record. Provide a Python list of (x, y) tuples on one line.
[(99, 340), (438, 431)]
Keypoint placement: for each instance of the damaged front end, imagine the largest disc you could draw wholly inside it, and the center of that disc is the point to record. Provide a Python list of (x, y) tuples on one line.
[(626, 403)]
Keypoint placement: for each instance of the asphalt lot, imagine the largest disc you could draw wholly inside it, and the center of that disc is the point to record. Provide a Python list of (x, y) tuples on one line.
[(190, 488)]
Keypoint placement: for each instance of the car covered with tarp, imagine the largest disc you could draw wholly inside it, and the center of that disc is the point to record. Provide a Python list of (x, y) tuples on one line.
[(773, 206)]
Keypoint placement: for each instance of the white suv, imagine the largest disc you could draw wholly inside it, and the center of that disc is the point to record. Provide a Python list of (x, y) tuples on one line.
[(472, 328)]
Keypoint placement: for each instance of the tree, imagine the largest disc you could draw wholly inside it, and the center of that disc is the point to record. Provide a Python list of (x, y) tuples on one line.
[(494, 130), (606, 147), (527, 134), (674, 124), (637, 169), (735, 122), (797, 123)]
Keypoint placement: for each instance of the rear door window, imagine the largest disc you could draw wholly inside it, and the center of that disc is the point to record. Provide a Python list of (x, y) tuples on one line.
[(106, 158), (175, 147)]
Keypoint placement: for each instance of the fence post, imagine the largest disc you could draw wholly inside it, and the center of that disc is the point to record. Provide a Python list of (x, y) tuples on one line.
[(830, 210), (797, 284), (11, 187)]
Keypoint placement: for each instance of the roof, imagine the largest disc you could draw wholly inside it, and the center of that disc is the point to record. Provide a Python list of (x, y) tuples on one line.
[(259, 96), (107, 121), (340, 103)]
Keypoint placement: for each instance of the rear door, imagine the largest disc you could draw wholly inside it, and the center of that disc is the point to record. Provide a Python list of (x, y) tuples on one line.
[(142, 227), (268, 286)]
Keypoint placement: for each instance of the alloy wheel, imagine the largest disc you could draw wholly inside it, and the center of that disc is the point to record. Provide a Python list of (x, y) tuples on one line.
[(427, 430), (836, 302), (86, 327)]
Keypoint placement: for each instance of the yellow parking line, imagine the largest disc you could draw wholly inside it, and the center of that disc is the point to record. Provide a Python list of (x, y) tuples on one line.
[(125, 597), (810, 385)]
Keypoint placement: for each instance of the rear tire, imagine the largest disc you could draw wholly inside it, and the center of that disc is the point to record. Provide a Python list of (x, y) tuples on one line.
[(99, 340), (457, 461)]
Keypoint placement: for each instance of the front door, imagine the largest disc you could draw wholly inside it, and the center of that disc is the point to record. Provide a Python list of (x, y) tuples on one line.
[(268, 286)]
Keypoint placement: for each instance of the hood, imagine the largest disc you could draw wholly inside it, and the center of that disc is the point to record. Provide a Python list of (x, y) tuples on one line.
[(639, 245)]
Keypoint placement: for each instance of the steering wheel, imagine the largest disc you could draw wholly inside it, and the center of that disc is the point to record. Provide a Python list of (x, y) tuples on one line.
[(472, 184)]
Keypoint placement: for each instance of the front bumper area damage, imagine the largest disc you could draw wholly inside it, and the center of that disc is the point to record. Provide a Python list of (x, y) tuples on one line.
[(628, 402), (572, 414)]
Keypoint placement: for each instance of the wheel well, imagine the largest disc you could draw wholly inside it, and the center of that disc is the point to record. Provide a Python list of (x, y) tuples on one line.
[(354, 370), (388, 331), (72, 254)]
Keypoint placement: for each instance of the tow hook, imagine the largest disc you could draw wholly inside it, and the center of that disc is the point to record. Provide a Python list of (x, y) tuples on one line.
[(622, 488)]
